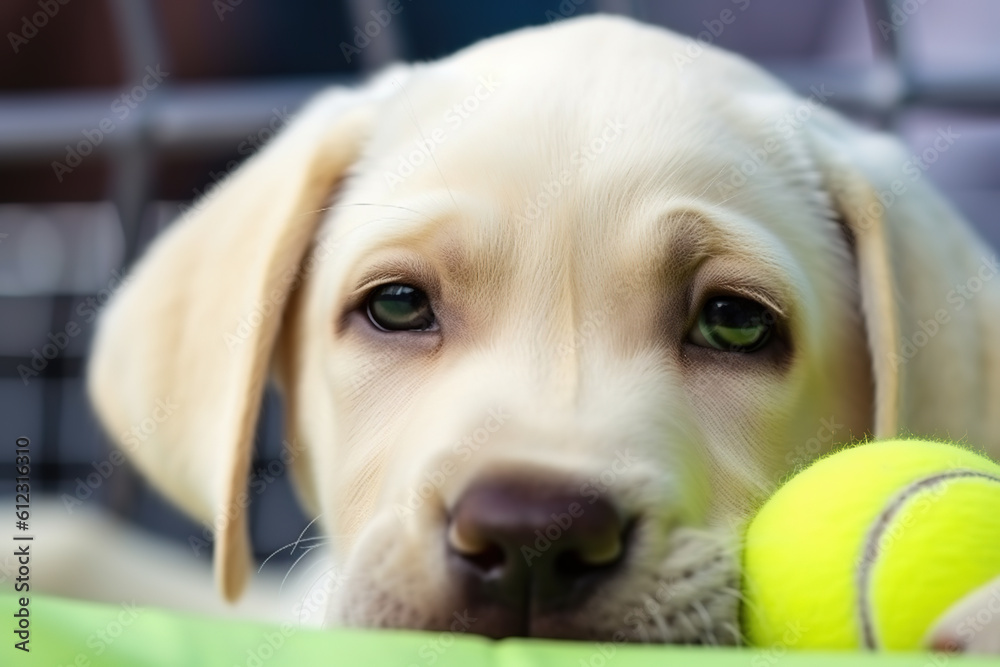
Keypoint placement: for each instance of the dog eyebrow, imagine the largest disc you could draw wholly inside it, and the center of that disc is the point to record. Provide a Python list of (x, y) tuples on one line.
[(430, 226), (689, 238), (398, 268), (681, 239), (398, 224)]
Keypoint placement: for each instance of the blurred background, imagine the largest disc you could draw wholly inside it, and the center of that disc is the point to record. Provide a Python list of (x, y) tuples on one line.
[(115, 114)]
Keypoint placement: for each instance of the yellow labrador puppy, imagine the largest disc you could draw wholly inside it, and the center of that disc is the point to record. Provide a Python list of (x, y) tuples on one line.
[(550, 316)]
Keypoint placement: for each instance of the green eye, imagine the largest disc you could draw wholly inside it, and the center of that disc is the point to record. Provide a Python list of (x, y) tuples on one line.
[(398, 307), (733, 324)]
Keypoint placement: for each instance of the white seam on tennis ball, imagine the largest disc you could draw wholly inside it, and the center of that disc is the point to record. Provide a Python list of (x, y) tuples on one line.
[(870, 552)]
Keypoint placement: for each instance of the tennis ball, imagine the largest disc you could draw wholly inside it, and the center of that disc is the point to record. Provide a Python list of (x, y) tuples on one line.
[(867, 547)]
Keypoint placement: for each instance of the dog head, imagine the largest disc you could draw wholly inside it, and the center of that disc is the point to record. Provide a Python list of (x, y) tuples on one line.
[(550, 317)]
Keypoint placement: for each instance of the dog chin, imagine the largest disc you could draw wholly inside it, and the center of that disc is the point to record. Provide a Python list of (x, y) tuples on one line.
[(690, 595)]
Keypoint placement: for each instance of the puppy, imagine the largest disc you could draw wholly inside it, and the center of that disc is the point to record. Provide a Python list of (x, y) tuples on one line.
[(550, 317)]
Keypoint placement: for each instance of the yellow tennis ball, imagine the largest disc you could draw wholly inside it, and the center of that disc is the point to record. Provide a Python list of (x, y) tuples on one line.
[(867, 547)]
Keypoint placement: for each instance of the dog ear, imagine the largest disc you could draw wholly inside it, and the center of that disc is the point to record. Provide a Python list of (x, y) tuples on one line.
[(182, 352), (929, 291)]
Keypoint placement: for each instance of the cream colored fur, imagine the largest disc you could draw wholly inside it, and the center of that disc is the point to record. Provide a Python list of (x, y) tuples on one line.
[(563, 317)]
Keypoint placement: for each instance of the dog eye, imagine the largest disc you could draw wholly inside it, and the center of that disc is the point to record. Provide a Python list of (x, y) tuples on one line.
[(398, 307), (733, 324)]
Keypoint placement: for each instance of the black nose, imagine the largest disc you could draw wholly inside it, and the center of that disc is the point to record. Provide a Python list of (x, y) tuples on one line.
[(533, 546)]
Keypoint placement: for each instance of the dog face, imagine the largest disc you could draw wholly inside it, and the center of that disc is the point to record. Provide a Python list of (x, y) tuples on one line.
[(565, 344), (568, 320)]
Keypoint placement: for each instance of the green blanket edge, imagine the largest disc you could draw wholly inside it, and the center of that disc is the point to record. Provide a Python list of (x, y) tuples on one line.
[(71, 632)]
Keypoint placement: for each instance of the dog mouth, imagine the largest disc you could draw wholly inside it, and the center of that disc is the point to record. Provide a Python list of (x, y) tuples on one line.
[(691, 596)]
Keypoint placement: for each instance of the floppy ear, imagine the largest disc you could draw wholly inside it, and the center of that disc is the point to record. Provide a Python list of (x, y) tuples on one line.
[(929, 287), (182, 353)]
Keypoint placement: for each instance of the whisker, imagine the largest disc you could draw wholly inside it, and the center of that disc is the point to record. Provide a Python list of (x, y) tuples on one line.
[(304, 530), (689, 626), (706, 619), (316, 538), (396, 206), (337, 240), (735, 592), (735, 632), (290, 545), (739, 595), (658, 620), (275, 553), (288, 574)]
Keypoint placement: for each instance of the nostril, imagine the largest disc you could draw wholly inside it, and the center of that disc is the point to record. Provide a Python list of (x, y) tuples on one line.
[(601, 552), (571, 564), (576, 562), (483, 554), (490, 559)]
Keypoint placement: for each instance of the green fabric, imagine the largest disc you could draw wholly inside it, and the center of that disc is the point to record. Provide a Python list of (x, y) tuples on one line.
[(69, 632)]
